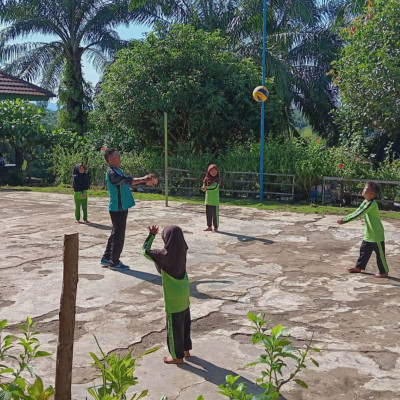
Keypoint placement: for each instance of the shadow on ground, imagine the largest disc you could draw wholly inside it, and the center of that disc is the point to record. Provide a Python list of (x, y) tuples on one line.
[(216, 375), (245, 238)]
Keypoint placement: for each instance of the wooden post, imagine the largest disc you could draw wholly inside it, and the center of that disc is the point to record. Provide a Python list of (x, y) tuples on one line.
[(65, 345)]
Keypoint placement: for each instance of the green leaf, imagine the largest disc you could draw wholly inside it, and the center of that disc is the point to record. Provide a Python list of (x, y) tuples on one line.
[(252, 317), (6, 371), (42, 354), (36, 389), (314, 362), (301, 383), (276, 330), (3, 324)]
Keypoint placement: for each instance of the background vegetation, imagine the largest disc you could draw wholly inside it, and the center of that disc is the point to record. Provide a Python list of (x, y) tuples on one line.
[(331, 71)]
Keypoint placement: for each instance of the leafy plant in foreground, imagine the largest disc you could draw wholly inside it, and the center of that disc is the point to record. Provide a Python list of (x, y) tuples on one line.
[(277, 348), (117, 375), (14, 376)]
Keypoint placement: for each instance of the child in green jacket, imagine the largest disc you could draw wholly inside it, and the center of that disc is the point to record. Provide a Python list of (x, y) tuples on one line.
[(80, 183), (211, 184), (374, 236), (171, 264)]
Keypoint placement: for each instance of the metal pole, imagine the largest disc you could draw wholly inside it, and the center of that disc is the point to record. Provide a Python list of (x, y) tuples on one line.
[(263, 105), (166, 157)]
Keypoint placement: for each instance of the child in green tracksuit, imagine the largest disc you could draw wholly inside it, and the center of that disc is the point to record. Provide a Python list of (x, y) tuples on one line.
[(374, 236), (211, 184), (80, 183), (171, 263)]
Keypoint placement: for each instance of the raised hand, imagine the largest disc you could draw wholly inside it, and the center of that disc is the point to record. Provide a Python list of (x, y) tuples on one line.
[(153, 229)]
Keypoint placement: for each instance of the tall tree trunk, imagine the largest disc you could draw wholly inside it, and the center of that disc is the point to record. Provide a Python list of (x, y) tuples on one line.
[(72, 97)]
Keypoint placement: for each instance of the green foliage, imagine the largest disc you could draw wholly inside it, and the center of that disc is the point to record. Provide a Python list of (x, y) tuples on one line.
[(309, 159), (368, 74), (117, 375), (278, 348), (21, 124), (73, 99), (76, 29), (18, 371), (204, 88)]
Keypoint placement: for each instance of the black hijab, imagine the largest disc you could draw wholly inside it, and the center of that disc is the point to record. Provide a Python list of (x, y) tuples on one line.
[(172, 258), (80, 181)]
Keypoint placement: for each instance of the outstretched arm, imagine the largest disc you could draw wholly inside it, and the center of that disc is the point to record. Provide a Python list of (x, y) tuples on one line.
[(364, 208)]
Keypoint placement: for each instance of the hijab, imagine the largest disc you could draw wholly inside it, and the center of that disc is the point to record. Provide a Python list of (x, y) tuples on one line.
[(80, 181), (172, 258), (209, 179)]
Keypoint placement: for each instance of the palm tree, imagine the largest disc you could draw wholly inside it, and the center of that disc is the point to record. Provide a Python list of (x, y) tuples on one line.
[(300, 48), (77, 28), (208, 15)]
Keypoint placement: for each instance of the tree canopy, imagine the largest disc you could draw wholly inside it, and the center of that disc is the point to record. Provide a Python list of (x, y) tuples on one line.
[(368, 73), (205, 89)]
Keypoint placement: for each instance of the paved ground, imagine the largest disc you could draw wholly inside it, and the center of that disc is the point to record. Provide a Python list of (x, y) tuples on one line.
[(288, 266)]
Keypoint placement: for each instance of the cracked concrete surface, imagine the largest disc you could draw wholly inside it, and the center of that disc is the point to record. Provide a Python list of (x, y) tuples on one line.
[(291, 267)]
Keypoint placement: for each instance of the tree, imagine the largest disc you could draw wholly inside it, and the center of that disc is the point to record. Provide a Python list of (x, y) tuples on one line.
[(205, 89), (299, 49), (79, 27), (208, 15), (21, 124), (368, 74)]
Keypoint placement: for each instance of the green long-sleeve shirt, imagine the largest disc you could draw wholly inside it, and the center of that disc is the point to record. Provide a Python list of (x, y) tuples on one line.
[(176, 291), (373, 229), (212, 194)]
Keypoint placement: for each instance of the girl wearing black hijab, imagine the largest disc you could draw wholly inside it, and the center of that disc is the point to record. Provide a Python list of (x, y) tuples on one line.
[(171, 264), (80, 182)]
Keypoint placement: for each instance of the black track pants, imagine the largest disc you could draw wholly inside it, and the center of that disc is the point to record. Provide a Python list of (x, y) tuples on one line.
[(117, 238), (212, 214), (178, 333), (366, 250)]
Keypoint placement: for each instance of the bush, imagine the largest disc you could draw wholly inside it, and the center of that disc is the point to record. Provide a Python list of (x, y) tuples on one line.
[(308, 159)]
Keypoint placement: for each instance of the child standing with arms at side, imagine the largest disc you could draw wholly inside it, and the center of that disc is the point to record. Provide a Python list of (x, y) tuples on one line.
[(171, 264), (211, 184), (80, 183), (374, 236)]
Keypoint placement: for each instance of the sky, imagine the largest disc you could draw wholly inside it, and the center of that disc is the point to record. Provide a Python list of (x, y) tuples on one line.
[(132, 31)]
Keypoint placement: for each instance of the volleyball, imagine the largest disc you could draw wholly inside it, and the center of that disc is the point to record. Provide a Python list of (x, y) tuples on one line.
[(260, 94)]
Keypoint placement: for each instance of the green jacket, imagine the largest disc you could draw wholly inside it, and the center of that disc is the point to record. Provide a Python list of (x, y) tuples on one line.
[(118, 184), (176, 291), (212, 194), (373, 229)]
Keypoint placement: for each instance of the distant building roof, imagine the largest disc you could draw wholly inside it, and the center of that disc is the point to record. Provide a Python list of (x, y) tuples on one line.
[(15, 88)]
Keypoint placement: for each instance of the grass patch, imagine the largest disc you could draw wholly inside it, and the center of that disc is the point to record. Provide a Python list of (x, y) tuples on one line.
[(265, 205)]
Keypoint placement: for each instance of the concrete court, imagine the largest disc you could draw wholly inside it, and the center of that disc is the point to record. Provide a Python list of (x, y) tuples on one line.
[(289, 266)]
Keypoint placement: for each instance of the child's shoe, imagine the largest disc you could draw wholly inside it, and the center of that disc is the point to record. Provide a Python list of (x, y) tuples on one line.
[(119, 266), (105, 262)]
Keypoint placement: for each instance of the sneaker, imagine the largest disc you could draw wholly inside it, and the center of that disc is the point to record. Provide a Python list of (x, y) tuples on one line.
[(105, 262), (119, 266)]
